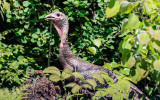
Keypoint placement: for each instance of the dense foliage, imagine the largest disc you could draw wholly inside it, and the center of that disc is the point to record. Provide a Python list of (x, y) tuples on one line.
[(121, 35)]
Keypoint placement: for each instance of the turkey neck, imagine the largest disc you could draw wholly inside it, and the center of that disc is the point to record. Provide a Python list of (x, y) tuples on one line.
[(64, 50)]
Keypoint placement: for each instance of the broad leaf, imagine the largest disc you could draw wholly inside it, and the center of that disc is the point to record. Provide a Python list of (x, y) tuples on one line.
[(131, 62), (157, 35), (126, 7), (135, 76), (97, 42), (142, 69), (98, 77), (6, 5), (155, 44), (54, 78), (78, 75), (87, 86), (76, 88), (71, 84), (26, 3), (113, 8), (92, 49), (92, 82), (144, 38), (117, 97), (66, 73), (108, 79), (156, 65), (133, 21), (52, 70)]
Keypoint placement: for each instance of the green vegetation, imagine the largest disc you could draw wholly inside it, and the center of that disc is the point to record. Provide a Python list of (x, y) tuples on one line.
[(121, 35)]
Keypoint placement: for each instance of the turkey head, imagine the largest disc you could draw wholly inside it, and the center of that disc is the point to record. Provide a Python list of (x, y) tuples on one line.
[(60, 22)]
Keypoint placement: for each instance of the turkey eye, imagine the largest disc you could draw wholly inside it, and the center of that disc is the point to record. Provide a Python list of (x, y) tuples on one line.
[(58, 14)]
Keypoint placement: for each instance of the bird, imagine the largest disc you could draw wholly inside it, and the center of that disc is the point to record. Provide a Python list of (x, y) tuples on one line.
[(69, 60)]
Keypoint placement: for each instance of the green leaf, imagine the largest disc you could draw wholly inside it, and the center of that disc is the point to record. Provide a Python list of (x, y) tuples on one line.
[(126, 7), (34, 35), (52, 70), (117, 96), (135, 76), (76, 88), (156, 65), (87, 86), (26, 3), (123, 85), (78, 75), (113, 8), (66, 73), (155, 44), (133, 21), (125, 71), (92, 49), (20, 58), (131, 62), (92, 82), (71, 84), (141, 68), (157, 35), (54, 78), (97, 42), (144, 38), (98, 77), (6, 5), (114, 65), (101, 92), (108, 79), (39, 43), (16, 4)]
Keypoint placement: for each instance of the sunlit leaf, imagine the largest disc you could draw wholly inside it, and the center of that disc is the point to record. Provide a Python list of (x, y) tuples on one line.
[(135, 76), (78, 75), (34, 35), (54, 78), (26, 3), (113, 8), (155, 44), (131, 62), (156, 65), (144, 38), (6, 5), (76, 88), (157, 35), (92, 49), (20, 58), (142, 70), (52, 70), (97, 42), (98, 77), (117, 97), (126, 7), (66, 73), (71, 84), (133, 21), (92, 82), (87, 86)]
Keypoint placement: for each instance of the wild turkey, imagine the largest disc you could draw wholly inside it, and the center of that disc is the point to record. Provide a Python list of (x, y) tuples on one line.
[(67, 58)]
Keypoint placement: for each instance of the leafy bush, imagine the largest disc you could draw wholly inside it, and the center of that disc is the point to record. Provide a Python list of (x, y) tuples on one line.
[(121, 87), (15, 94), (26, 35)]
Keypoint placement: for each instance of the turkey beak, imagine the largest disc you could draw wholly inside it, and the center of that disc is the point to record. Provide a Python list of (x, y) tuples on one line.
[(50, 17)]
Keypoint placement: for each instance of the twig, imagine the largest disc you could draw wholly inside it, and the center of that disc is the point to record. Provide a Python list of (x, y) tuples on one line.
[(49, 54), (35, 83)]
